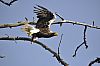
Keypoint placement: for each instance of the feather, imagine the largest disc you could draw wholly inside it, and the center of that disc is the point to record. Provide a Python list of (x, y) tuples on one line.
[(45, 18), (29, 29)]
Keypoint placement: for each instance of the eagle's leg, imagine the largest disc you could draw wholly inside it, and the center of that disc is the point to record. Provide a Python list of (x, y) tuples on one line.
[(34, 37)]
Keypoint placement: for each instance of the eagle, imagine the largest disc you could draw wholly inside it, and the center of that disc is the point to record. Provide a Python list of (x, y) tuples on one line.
[(42, 27)]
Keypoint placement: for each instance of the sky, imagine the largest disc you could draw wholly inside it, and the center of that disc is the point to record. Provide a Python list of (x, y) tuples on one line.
[(24, 53)]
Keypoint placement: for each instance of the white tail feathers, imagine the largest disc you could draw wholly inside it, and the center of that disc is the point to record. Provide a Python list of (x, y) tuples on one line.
[(29, 29)]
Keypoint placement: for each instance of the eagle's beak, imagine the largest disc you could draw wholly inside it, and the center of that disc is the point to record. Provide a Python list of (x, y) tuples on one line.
[(55, 34)]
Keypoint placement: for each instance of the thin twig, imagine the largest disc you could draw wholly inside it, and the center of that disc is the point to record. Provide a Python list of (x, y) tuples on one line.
[(60, 44), (7, 35), (93, 23), (15, 40), (26, 19), (77, 49), (2, 56), (84, 42), (97, 60), (8, 4), (59, 59), (59, 16), (33, 19)]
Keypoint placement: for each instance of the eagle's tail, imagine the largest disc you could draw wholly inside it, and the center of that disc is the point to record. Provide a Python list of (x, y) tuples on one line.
[(29, 29)]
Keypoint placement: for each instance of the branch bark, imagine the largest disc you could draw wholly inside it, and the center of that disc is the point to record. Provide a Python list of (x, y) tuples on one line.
[(59, 59), (15, 25), (59, 22), (78, 23)]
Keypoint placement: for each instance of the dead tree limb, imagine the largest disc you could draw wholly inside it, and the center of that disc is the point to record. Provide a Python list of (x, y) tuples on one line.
[(59, 59), (60, 44), (8, 4), (97, 60), (34, 23), (15, 25), (84, 42), (78, 23)]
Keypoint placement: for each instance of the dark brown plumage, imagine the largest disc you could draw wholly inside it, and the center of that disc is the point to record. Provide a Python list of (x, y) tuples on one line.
[(42, 28), (45, 18)]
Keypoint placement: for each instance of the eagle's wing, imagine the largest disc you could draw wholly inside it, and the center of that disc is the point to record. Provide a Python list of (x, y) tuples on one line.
[(45, 17)]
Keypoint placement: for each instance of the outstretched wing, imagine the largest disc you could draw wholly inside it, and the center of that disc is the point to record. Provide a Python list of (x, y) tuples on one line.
[(45, 17)]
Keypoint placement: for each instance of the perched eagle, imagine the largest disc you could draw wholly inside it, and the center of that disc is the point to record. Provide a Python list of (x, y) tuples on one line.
[(42, 28)]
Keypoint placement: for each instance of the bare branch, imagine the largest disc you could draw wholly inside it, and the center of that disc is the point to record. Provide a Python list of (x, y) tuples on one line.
[(34, 23), (97, 60), (78, 23), (77, 49), (15, 25), (84, 42), (2, 56), (8, 4), (39, 43), (93, 23), (26, 19), (59, 44), (60, 18)]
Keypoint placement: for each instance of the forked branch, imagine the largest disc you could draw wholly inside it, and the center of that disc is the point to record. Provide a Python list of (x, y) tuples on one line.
[(60, 60), (84, 42), (8, 4)]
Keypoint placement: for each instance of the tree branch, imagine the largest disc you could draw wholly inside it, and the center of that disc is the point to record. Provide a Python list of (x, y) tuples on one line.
[(15, 25), (8, 4), (39, 43), (2, 56), (78, 23), (84, 42), (97, 60), (60, 44), (34, 23)]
